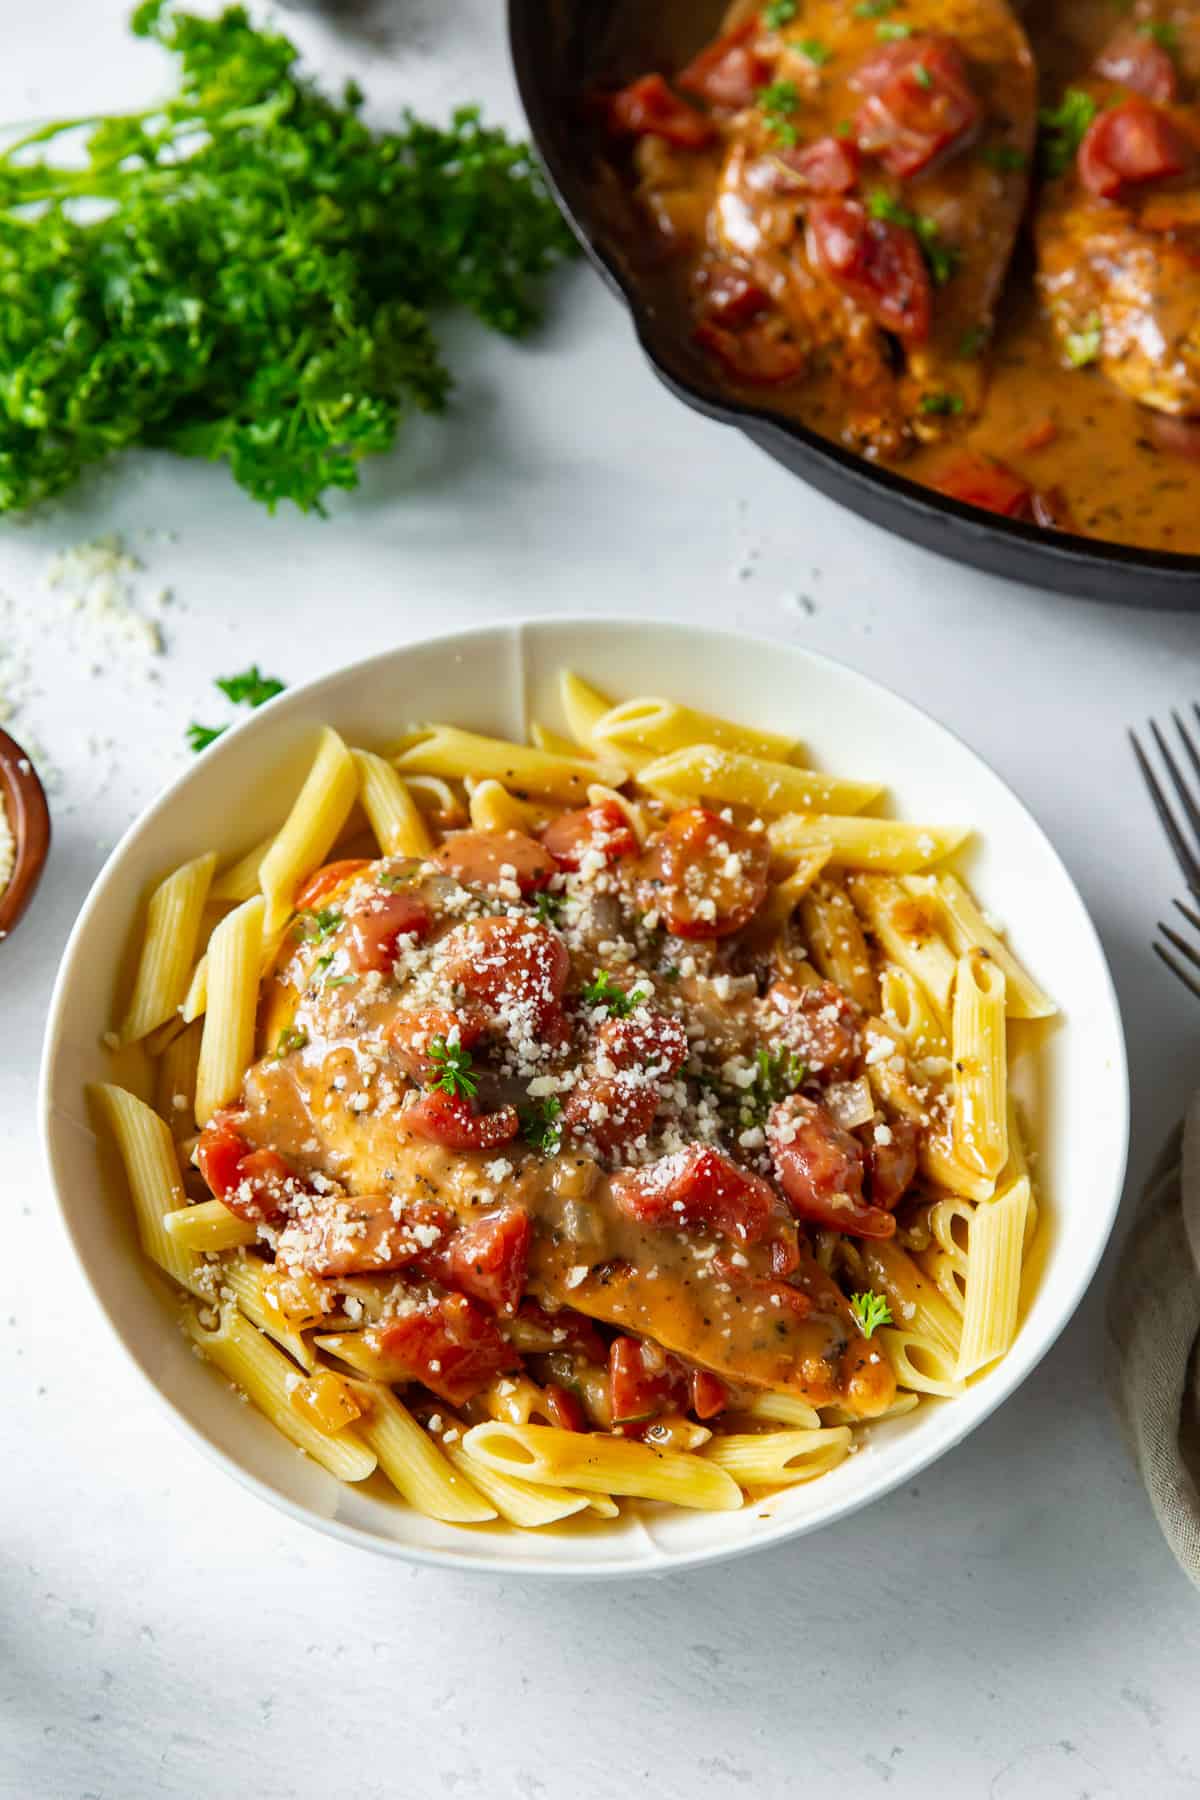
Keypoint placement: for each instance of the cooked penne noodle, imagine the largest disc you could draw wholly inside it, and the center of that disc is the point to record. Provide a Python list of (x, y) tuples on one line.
[(605, 1465), (779, 1458), (395, 818), (240, 880), (196, 1000), (544, 739), (967, 928), (994, 1250), (266, 1376), (834, 935), (249, 1280), (730, 778), (783, 1409), (660, 726), (785, 895), (907, 1008), (209, 1225), (436, 798), (493, 808), (148, 1153), (599, 795), (921, 1364), (886, 845), (905, 1402), (413, 1463), (945, 1261), (1017, 1168), (583, 708), (449, 751), (939, 1162), (168, 948), (980, 1064), (908, 933), (913, 1299), (520, 1502), (310, 830), (235, 955), (175, 1082)]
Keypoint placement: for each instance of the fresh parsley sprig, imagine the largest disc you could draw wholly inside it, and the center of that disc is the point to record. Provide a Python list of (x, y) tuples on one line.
[(453, 1064), (541, 1124), (942, 259), (778, 13), (548, 907), (1063, 128), (250, 688), (602, 990), (871, 1311), (777, 103), (777, 1073)]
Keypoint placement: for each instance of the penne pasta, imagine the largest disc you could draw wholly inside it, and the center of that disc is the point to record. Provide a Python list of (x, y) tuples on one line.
[(967, 929), (706, 772), (913, 1299), (887, 846), (311, 828), (249, 1280), (834, 935), (785, 895), (778, 1458), (168, 948), (980, 1064), (209, 1225), (493, 808), (520, 1502), (152, 1169), (583, 708), (413, 1463), (240, 880), (175, 1080), (783, 1409), (235, 956), (606, 1465), (447, 751), (660, 726), (994, 1249), (553, 741), (921, 1365), (907, 932), (266, 1376), (394, 816)]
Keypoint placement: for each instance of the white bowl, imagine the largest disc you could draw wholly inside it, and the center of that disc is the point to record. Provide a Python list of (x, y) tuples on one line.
[(495, 680)]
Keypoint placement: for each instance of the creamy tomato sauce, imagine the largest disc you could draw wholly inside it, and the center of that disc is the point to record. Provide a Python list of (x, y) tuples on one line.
[(841, 210), (570, 1104)]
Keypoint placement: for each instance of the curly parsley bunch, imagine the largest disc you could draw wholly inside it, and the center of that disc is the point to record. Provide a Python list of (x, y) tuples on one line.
[(257, 282)]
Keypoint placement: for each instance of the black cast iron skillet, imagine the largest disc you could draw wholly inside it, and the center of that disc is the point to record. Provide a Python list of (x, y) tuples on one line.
[(560, 50)]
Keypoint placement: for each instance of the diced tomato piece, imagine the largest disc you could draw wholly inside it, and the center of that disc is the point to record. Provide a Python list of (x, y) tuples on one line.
[(516, 964), (360, 1234), (820, 1169), (488, 858), (412, 1033), (876, 262), (325, 880), (1134, 61), (251, 1183), (564, 1407), (1178, 437), (1039, 436), (451, 1120), (762, 353), (709, 1395), (648, 108), (709, 878), (730, 71), (600, 830), (610, 1111), (818, 1024), (730, 298), (488, 1258), (613, 1109), (643, 1381), (700, 1186), (1129, 144), (645, 1039), (980, 481), (829, 165), (919, 102), (375, 933), (450, 1345), (891, 1161)]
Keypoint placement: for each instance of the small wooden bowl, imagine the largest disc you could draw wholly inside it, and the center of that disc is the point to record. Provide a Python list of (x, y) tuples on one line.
[(24, 803)]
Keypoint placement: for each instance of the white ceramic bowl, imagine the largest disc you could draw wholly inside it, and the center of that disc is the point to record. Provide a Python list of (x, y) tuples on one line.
[(495, 680)]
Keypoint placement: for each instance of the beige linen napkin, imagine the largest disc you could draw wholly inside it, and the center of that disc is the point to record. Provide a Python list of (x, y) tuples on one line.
[(1153, 1323)]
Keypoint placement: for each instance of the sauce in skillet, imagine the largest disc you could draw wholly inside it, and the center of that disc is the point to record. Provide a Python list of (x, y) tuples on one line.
[(1017, 426)]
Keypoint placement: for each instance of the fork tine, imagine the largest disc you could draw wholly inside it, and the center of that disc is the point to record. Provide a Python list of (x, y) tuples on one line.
[(1193, 918), (1186, 740), (1180, 785), (1180, 974), (1181, 944), (1183, 856)]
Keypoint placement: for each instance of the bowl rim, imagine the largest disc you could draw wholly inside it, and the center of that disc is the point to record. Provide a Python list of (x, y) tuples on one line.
[(1009, 1374), (1057, 549)]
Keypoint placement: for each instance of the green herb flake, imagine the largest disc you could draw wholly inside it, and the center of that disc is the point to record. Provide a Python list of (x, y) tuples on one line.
[(251, 688), (1063, 129), (549, 907), (602, 990), (452, 1065), (875, 9), (815, 51), (942, 259), (776, 103), (670, 973), (921, 76), (1083, 347), (871, 1311), (541, 1124), (778, 13), (1003, 156), (973, 341), (893, 34), (199, 737), (295, 1038), (777, 1073), (941, 402), (1162, 33), (393, 879)]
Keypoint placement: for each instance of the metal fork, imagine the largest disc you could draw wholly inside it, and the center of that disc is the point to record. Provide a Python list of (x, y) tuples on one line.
[(1187, 854)]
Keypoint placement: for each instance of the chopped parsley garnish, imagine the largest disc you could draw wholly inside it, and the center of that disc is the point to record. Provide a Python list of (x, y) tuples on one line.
[(251, 687), (893, 34), (391, 879), (670, 973), (921, 76), (340, 980), (294, 1038), (941, 402), (972, 341), (604, 991), (199, 737), (314, 926), (1003, 156), (1161, 32), (548, 907), (777, 1073), (874, 9), (541, 1124), (453, 1063), (815, 50), (777, 103), (1063, 129), (871, 1311), (778, 13), (844, 128), (941, 258), (1083, 347)]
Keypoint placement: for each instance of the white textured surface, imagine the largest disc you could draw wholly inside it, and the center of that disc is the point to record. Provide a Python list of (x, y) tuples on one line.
[(1011, 1628)]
